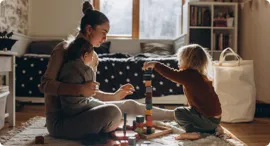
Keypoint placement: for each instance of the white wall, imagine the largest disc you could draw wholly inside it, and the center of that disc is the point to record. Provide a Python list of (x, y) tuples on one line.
[(255, 44), (56, 18)]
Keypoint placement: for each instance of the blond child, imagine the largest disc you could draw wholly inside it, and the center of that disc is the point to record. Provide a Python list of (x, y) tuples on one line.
[(204, 111)]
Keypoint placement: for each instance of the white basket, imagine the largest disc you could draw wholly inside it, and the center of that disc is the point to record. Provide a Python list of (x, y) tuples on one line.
[(3, 99)]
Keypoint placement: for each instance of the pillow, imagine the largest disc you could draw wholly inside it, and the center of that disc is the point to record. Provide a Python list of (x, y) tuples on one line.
[(157, 48), (104, 48), (42, 47)]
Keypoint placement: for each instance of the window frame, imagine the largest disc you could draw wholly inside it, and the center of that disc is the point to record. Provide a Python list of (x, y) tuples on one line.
[(135, 19)]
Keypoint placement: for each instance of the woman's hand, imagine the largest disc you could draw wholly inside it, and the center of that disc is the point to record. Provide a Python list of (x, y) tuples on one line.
[(123, 91), (149, 65), (90, 88)]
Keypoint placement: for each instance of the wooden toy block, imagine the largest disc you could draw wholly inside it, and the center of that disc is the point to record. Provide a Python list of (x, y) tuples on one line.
[(148, 112), (150, 129), (139, 130), (148, 118), (134, 125), (139, 118), (146, 142), (124, 143), (148, 100), (159, 131), (148, 94), (39, 140), (109, 142), (147, 77), (119, 135), (149, 123), (125, 123), (148, 71), (132, 141), (139, 125), (117, 143), (149, 106), (148, 83), (149, 89)]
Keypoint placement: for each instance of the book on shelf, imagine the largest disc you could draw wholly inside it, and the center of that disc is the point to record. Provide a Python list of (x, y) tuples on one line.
[(222, 41), (200, 16), (200, 36)]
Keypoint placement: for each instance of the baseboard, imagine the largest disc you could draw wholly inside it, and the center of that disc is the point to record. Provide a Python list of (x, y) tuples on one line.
[(259, 101), (30, 99)]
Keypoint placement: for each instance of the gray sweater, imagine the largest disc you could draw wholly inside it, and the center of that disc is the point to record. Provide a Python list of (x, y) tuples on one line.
[(76, 72)]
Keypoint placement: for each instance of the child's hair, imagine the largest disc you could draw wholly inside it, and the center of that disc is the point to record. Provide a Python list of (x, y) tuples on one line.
[(77, 48), (195, 57)]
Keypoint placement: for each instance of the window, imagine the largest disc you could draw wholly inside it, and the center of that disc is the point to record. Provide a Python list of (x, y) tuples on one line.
[(144, 19), (160, 19), (119, 13)]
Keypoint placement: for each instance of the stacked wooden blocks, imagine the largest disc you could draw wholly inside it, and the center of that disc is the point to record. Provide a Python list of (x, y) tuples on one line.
[(147, 77), (139, 124)]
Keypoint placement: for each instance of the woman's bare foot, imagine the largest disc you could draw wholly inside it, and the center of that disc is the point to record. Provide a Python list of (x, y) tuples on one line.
[(220, 133), (188, 136), (219, 130)]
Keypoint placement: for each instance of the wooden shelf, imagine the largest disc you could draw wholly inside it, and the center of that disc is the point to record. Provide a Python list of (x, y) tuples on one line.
[(223, 27), (200, 27), (198, 13), (213, 3), (7, 66), (216, 50), (8, 53)]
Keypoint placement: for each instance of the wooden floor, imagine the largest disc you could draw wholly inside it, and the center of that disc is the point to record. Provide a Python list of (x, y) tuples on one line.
[(256, 133)]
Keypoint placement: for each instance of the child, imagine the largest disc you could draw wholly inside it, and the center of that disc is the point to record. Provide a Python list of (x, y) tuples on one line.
[(204, 111), (76, 70)]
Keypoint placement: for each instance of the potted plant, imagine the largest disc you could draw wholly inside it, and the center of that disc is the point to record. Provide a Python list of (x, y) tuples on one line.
[(230, 19), (6, 42)]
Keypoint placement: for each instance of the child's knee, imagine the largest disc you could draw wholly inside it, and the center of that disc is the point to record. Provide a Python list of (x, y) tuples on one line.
[(113, 116), (114, 112), (180, 113), (130, 102)]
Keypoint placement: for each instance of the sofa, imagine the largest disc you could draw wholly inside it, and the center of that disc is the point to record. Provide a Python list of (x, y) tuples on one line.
[(120, 62)]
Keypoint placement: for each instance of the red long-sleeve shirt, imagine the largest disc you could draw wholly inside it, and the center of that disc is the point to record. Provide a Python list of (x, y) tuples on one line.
[(198, 89)]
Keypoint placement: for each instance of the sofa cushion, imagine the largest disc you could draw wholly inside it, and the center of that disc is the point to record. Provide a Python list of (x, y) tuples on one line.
[(42, 47), (104, 48), (157, 48)]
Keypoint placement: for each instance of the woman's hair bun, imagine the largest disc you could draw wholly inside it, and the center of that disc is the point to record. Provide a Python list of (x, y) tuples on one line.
[(87, 6)]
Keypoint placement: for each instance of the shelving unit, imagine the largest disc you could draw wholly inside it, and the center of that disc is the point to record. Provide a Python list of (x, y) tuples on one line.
[(206, 23), (7, 66)]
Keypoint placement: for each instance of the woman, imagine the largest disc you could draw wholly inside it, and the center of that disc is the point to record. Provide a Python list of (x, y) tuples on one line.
[(103, 118)]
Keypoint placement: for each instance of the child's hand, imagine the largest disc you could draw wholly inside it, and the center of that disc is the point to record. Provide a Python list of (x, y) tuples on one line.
[(90, 88), (128, 87), (149, 65), (123, 91)]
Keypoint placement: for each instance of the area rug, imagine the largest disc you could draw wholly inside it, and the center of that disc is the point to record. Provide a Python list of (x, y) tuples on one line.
[(25, 136)]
